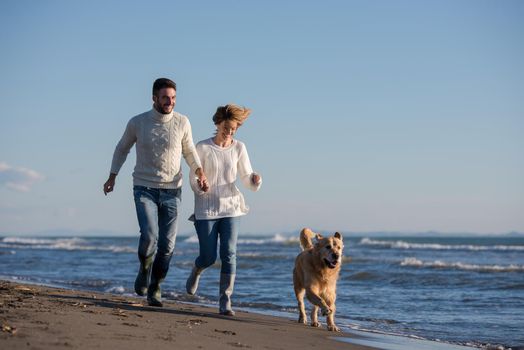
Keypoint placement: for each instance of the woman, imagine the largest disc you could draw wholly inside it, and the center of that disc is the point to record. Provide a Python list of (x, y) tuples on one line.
[(218, 203)]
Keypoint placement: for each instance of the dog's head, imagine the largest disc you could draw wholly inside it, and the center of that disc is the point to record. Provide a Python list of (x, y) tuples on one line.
[(330, 249)]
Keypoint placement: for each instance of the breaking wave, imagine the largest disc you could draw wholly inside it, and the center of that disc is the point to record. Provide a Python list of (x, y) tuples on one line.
[(72, 244), (275, 239), (438, 264), (437, 246)]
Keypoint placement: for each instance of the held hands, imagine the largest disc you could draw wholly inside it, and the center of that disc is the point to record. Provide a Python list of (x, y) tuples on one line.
[(202, 180), (202, 183)]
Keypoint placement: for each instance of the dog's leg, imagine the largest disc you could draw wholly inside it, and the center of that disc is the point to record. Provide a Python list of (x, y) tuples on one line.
[(314, 317), (330, 300), (318, 301), (331, 326), (302, 318)]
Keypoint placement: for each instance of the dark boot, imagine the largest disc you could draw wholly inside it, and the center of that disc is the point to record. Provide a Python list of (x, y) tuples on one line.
[(154, 292), (227, 282), (192, 280), (144, 274), (154, 295)]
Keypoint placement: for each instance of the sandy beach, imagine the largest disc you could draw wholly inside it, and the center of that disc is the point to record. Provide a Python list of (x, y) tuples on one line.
[(37, 317)]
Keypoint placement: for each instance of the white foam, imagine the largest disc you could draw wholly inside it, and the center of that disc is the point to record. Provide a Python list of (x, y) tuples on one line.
[(277, 238), (191, 239), (116, 290), (461, 266), (59, 244), (436, 246), (40, 241)]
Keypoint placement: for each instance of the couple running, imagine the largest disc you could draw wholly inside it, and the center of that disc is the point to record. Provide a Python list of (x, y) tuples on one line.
[(162, 136)]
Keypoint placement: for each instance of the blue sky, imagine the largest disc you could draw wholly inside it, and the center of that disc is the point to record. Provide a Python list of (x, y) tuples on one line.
[(367, 115)]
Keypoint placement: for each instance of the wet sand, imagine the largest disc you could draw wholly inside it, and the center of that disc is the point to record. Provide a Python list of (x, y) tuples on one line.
[(39, 317)]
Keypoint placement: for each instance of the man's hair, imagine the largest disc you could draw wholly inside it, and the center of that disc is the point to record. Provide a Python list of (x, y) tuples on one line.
[(162, 83), (231, 112)]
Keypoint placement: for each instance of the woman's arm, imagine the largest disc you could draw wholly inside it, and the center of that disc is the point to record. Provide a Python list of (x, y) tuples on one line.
[(249, 178)]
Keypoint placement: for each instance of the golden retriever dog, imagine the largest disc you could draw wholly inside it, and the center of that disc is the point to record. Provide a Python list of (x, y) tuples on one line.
[(315, 275)]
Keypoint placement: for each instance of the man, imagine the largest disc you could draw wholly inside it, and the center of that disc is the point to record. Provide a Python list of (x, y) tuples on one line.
[(162, 136)]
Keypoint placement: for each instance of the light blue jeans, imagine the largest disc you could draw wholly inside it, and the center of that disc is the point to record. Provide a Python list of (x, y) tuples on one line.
[(157, 213), (209, 232)]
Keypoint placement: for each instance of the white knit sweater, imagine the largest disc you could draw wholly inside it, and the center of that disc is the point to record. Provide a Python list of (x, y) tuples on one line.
[(221, 166), (161, 141)]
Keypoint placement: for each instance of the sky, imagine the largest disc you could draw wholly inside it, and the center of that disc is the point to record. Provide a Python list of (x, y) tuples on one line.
[(397, 116)]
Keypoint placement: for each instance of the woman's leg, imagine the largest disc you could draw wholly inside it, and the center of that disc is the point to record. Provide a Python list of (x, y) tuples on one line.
[(228, 229), (207, 231)]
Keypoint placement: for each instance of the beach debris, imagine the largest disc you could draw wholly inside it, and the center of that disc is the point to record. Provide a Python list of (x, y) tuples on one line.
[(239, 345), (119, 312), (24, 289), (196, 322), (6, 327), (192, 322), (225, 332), (91, 311), (136, 304), (130, 324), (82, 305)]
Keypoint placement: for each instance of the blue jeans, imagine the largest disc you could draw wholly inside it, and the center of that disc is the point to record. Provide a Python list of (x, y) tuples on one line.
[(157, 213), (209, 232)]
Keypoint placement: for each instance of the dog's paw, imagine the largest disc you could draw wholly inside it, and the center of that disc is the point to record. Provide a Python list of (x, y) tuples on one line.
[(326, 312), (333, 328), (302, 320), (315, 324)]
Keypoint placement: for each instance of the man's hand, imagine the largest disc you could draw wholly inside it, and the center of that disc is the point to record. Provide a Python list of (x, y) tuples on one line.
[(110, 184), (256, 179), (202, 180)]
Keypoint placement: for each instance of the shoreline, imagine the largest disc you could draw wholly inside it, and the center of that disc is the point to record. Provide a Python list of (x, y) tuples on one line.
[(35, 316), (41, 317)]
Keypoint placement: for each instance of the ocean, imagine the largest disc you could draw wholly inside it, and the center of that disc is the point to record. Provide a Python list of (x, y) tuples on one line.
[(453, 290)]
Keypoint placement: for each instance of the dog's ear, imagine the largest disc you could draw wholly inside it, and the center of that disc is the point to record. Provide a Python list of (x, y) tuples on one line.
[(318, 237), (338, 235)]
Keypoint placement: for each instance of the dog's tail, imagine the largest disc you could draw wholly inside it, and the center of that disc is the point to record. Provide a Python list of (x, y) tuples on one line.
[(306, 238)]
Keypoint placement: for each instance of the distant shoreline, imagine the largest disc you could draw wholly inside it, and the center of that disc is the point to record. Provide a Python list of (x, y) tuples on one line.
[(385, 234)]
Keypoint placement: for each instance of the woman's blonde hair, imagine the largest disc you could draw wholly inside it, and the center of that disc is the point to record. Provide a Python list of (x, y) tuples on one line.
[(231, 112)]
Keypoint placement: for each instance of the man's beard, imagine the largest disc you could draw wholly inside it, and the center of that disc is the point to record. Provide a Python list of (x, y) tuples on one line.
[(167, 109), (164, 109)]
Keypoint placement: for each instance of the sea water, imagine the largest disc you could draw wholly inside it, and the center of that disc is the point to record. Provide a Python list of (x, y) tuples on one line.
[(454, 290)]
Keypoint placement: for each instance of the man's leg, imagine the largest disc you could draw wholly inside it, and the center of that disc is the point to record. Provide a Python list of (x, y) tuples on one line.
[(147, 214), (169, 202)]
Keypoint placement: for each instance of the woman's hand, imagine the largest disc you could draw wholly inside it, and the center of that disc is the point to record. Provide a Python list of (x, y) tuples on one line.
[(202, 180)]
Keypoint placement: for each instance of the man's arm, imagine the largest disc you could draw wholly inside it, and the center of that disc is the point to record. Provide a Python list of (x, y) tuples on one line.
[(119, 156), (110, 184), (191, 157)]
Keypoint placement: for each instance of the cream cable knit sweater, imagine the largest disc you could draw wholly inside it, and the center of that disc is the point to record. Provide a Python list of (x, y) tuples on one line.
[(221, 166), (161, 141)]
